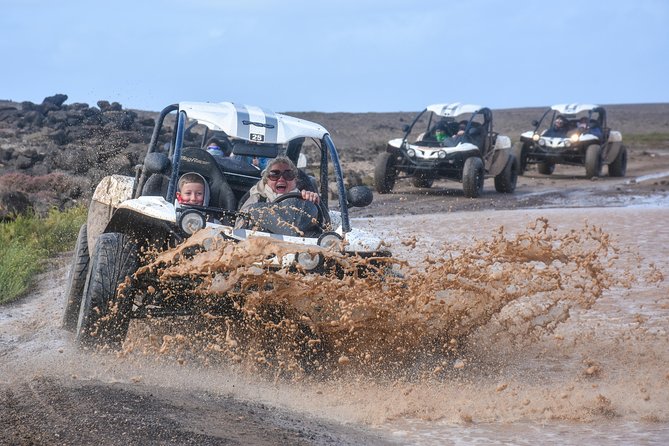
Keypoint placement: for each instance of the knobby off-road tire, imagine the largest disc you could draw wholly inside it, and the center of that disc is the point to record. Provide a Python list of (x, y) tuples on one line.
[(105, 315), (505, 181), (473, 176), (520, 152), (422, 181), (76, 280), (546, 167), (618, 168), (593, 161), (385, 173)]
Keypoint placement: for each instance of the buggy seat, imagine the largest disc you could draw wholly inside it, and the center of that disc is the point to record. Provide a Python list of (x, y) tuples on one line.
[(202, 162)]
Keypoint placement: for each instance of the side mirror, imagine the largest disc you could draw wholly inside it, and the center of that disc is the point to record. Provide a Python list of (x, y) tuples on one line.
[(405, 128), (535, 122), (155, 162), (359, 196)]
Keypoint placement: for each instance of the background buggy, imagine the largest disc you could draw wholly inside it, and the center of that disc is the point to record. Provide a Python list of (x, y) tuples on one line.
[(591, 146), (471, 151)]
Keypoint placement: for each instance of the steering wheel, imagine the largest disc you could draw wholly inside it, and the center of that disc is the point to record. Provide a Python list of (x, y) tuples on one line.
[(323, 214)]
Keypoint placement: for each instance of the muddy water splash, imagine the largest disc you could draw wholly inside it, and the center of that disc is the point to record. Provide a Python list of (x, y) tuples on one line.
[(383, 319)]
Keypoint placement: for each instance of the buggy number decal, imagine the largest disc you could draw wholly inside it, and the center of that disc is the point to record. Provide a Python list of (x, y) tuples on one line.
[(256, 137)]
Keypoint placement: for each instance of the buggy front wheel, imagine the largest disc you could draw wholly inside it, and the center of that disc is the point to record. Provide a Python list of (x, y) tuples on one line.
[(473, 176), (105, 313), (593, 161)]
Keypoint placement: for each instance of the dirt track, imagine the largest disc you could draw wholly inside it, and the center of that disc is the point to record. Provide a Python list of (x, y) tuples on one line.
[(647, 174), (50, 393)]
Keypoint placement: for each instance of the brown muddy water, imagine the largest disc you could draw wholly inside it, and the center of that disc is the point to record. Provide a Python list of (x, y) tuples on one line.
[(599, 376), (494, 327)]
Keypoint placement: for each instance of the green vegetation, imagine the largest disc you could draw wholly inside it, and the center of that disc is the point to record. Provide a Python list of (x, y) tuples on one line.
[(26, 244), (651, 140)]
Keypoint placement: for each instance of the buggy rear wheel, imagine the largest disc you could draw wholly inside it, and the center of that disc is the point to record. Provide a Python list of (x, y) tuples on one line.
[(520, 152), (76, 280), (422, 181), (472, 177), (385, 173), (618, 168), (105, 314), (546, 167), (505, 181)]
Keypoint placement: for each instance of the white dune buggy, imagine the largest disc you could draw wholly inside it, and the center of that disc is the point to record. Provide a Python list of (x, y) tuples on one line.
[(583, 140), (453, 141), (127, 216)]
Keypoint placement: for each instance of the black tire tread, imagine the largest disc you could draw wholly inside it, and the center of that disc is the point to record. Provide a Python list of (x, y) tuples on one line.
[(593, 161), (384, 173), (505, 181), (104, 317), (473, 177), (618, 168), (76, 280)]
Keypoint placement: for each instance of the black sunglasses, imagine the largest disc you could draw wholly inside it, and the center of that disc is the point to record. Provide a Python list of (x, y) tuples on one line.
[(287, 175)]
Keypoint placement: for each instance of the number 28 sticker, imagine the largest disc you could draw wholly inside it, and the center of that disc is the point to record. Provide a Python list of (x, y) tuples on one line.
[(257, 137)]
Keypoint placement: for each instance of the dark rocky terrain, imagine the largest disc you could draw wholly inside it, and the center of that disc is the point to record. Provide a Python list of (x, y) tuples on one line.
[(54, 153)]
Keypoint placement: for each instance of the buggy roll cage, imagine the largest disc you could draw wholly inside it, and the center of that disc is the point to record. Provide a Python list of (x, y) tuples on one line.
[(325, 144)]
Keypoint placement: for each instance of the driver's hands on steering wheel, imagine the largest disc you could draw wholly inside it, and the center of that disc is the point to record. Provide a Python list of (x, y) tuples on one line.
[(310, 196)]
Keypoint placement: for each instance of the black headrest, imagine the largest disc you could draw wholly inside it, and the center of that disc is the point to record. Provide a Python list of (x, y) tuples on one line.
[(202, 162)]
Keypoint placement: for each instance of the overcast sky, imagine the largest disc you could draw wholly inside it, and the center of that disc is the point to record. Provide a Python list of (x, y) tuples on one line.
[(326, 55)]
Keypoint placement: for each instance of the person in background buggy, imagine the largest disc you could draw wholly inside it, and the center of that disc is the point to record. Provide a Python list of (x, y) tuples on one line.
[(559, 128)]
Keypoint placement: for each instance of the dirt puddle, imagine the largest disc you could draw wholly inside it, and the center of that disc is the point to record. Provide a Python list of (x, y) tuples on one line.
[(554, 320)]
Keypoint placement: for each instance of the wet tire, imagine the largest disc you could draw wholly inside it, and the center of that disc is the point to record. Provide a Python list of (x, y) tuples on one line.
[(546, 168), (520, 152), (422, 181), (105, 314), (76, 281), (593, 161), (473, 176), (505, 181), (385, 173), (618, 168)]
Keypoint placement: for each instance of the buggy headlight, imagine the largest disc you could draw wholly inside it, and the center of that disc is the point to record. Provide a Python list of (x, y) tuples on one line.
[(567, 143), (309, 261), (411, 153), (331, 240), (536, 137), (574, 138), (441, 154), (542, 142), (191, 221)]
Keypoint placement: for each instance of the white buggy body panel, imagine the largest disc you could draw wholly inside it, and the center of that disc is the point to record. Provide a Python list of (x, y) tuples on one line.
[(453, 110), (432, 153), (553, 142), (114, 191), (251, 123), (615, 136), (502, 142), (573, 109), (154, 207)]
